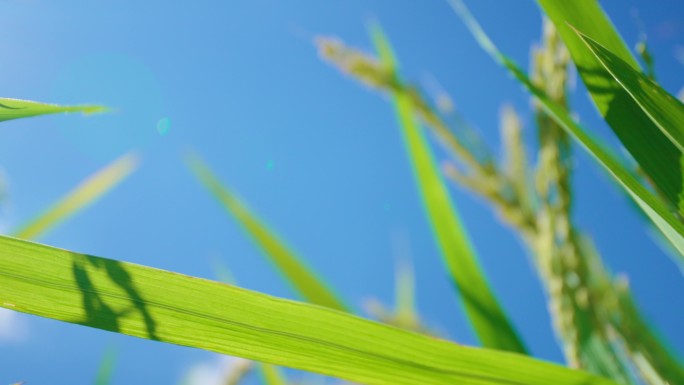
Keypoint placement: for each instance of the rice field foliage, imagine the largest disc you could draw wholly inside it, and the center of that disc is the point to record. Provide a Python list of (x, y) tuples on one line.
[(605, 338)]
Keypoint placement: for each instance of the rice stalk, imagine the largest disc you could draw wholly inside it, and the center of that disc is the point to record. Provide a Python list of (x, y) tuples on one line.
[(593, 317)]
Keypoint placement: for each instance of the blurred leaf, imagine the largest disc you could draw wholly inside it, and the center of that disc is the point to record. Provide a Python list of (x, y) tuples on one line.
[(15, 109), (290, 265), (405, 297), (104, 373), (404, 314), (272, 375), (658, 157), (664, 109), (654, 208), (239, 369), (173, 308), (84, 194), (223, 273), (486, 315)]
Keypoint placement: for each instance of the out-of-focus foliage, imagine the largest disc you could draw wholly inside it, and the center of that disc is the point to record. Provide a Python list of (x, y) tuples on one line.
[(589, 307), (80, 197), (486, 315), (605, 338), (299, 275)]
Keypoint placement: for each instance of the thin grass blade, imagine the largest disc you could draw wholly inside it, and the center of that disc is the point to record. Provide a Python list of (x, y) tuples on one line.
[(106, 369), (83, 195), (404, 294), (173, 308), (666, 111), (301, 277), (486, 315), (660, 159), (16, 108)]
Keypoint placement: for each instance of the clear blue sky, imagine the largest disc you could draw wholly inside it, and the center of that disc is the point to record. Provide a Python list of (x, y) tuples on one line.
[(315, 154)]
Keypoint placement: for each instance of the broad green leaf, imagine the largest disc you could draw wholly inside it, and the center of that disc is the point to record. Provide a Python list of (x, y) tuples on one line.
[(486, 315), (106, 369), (654, 208), (174, 308), (272, 375), (659, 158), (666, 111), (84, 194), (15, 109), (292, 267)]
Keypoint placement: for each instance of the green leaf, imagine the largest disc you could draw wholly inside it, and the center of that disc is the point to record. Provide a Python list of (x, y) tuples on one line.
[(106, 370), (84, 194), (272, 375), (404, 294), (302, 278), (666, 111), (174, 308), (486, 315), (659, 158), (654, 208), (15, 109)]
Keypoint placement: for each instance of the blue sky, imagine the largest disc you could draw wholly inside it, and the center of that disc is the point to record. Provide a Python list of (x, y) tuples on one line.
[(315, 154)]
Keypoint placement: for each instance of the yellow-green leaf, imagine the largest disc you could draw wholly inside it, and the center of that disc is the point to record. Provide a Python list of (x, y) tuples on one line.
[(302, 278), (174, 308), (15, 109), (84, 194), (272, 375), (486, 315)]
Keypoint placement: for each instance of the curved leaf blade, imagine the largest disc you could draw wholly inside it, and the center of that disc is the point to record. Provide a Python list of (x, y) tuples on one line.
[(17, 108), (487, 317), (173, 308), (302, 278)]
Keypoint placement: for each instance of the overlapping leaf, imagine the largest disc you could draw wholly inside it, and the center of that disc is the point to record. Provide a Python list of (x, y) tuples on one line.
[(659, 158), (178, 309), (272, 375), (656, 210), (666, 111)]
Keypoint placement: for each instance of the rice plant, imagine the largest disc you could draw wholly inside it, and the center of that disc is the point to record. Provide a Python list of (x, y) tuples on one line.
[(604, 336)]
